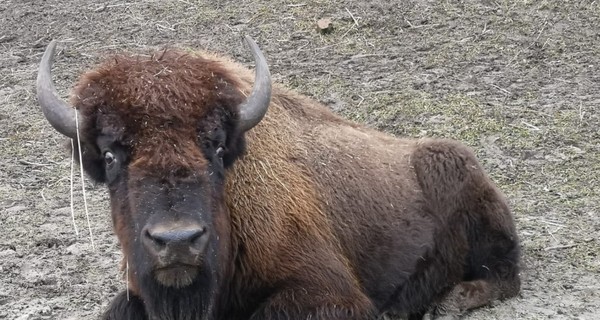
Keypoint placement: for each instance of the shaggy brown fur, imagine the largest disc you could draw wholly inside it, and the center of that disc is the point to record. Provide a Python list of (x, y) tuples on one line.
[(319, 218)]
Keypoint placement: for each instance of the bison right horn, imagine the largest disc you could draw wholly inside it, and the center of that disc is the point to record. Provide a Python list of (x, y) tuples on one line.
[(256, 105), (59, 113)]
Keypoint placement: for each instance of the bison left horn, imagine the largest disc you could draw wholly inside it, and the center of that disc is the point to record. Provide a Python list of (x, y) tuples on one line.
[(256, 105), (59, 113)]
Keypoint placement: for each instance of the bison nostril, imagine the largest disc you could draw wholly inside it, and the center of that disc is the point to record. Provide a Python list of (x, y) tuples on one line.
[(196, 236), (155, 240)]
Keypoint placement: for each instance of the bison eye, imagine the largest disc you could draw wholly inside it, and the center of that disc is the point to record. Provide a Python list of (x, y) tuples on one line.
[(109, 158), (220, 152)]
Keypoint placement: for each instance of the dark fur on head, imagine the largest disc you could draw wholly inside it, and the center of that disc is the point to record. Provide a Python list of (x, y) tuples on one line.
[(313, 217), (132, 100), (128, 104)]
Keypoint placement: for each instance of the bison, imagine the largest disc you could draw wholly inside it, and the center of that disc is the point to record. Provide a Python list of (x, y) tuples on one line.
[(225, 210)]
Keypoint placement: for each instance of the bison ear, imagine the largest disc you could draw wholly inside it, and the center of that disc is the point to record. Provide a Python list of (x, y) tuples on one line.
[(90, 160), (235, 150), (235, 144)]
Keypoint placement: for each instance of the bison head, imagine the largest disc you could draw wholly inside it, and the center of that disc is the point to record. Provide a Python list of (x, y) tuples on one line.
[(160, 131)]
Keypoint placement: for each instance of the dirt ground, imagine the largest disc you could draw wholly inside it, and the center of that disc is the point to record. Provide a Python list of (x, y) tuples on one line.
[(518, 81)]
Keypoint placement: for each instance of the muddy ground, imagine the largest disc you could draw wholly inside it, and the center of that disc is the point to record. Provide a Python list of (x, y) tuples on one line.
[(518, 81)]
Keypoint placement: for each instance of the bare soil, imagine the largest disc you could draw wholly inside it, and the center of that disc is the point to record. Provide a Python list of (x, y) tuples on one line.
[(518, 81)]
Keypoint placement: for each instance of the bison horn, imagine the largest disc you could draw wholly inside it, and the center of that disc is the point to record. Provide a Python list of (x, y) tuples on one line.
[(255, 107), (60, 114)]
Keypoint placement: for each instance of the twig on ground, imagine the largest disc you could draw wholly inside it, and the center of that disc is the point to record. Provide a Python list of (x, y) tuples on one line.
[(352, 16), (187, 2), (530, 125), (361, 100), (501, 89), (349, 29), (34, 163), (556, 224), (552, 235), (560, 247)]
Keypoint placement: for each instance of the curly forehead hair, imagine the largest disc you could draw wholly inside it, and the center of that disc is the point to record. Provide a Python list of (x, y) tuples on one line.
[(156, 103)]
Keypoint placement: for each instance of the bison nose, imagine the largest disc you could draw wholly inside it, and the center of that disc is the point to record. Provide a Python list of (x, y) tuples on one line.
[(187, 240)]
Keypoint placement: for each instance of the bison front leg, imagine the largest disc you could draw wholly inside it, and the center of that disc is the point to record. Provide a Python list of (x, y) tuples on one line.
[(125, 307), (303, 303)]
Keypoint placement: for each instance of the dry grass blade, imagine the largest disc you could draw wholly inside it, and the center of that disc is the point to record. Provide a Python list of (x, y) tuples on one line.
[(72, 183), (85, 204)]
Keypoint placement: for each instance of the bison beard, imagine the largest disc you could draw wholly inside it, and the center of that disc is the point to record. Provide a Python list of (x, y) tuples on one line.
[(224, 212), (196, 301)]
